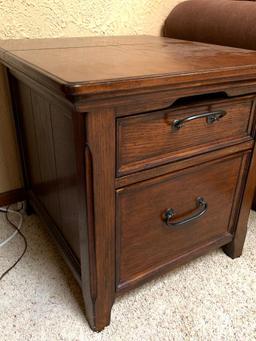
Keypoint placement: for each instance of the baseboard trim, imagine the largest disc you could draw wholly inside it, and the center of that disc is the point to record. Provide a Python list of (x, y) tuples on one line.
[(10, 197)]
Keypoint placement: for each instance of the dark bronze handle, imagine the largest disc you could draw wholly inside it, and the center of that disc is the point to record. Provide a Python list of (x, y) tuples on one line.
[(210, 116), (169, 214)]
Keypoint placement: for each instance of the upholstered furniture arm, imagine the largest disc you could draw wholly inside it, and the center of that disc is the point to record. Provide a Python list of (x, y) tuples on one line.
[(222, 22)]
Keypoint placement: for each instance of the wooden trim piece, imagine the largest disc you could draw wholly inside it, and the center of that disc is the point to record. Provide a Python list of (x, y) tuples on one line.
[(186, 153), (179, 260), (63, 246), (11, 197), (83, 174), (95, 148), (246, 157), (254, 202), (131, 103), (235, 248), (181, 164), (100, 133), (44, 91)]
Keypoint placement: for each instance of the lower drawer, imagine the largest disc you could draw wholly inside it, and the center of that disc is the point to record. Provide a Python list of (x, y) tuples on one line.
[(164, 219)]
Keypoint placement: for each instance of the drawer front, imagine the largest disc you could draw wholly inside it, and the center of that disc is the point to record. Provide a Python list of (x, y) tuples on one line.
[(151, 139), (150, 238)]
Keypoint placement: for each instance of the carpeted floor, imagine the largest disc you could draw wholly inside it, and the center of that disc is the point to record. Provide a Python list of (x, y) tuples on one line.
[(212, 298)]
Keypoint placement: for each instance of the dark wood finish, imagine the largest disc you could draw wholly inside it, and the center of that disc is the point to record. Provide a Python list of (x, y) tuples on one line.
[(181, 164), (235, 247), (100, 163), (143, 234), (51, 159), (11, 197), (254, 202), (100, 153), (62, 243), (161, 143), (129, 65)]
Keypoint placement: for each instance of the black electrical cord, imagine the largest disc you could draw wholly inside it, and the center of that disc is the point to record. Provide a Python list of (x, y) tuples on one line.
[(22, 236)]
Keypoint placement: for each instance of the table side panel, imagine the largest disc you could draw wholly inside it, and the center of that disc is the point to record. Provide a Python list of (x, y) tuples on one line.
[(50, 157)]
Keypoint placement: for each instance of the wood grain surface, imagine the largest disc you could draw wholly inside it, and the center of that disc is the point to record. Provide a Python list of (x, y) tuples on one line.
[(130, 62), (146, 243), (102, 164), (149, 139)]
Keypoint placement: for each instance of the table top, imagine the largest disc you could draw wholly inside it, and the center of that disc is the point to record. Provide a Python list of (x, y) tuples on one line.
[(101, 64)]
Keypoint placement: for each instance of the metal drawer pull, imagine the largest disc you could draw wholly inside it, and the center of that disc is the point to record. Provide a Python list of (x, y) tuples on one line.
[(211, 117), (170, 213)]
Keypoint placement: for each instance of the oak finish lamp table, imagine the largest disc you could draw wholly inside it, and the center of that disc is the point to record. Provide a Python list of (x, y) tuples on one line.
[(138, 152)]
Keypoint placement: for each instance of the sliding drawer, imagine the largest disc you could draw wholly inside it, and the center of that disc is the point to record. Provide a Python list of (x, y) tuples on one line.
[(167, 219), (155, 138)]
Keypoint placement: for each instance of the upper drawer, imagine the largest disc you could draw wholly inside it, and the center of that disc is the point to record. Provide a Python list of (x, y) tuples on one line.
[(151, 139)]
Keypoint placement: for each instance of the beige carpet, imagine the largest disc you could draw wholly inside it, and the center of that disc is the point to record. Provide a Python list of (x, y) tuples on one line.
[(212, 298)]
